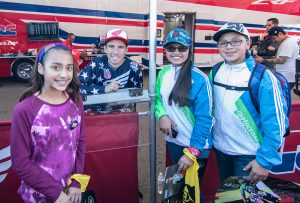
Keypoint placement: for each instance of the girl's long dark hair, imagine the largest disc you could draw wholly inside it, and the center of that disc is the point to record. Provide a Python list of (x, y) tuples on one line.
[(181, 90), (37, 80)]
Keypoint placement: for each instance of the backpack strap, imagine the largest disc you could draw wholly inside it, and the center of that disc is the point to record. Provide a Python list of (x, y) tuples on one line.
[(228, 87), (286, 90), (215, 70), (254, 83), (213, 73)]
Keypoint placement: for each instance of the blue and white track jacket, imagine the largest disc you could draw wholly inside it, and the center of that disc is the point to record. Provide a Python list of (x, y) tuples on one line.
[(194, 122), (239, 128)]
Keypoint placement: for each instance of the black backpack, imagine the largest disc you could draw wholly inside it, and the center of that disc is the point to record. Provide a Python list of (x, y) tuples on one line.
[(253, 87)]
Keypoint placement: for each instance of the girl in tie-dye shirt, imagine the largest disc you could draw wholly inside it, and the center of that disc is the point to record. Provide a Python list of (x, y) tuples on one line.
[(47, 135)]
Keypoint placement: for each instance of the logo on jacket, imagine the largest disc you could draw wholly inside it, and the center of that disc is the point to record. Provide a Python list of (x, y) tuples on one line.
[(133, 65), (107, 74)]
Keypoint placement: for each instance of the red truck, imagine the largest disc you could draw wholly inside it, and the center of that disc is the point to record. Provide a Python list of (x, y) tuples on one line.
[(25, 26)]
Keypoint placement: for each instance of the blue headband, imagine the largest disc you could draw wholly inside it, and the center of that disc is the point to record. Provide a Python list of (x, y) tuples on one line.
[(46, 48)]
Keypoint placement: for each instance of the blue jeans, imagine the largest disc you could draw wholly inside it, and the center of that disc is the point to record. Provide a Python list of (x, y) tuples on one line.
[(229, 165)]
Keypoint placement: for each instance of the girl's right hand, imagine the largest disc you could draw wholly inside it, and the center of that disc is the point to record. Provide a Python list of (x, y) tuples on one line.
[(166, 124), (63, 198), (74, 194)]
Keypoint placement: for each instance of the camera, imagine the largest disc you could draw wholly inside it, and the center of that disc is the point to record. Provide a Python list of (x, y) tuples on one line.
[(262, 52), (260, 48)]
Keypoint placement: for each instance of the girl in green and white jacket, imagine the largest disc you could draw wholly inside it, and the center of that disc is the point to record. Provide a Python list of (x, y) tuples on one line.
[(184, 103)]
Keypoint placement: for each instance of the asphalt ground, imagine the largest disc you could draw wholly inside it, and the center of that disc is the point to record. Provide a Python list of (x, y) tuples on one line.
[(10, 92)]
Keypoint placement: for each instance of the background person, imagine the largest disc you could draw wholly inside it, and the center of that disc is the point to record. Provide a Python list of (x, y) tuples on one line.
[(77, 55), (78, 58), (288, 52), (69, 41), (271, 22), (266, 47), (183, 102), (245, 141), (47, 136), (100, 43)]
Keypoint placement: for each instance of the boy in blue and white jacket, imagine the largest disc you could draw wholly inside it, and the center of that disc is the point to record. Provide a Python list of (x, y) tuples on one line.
[(245, 141)]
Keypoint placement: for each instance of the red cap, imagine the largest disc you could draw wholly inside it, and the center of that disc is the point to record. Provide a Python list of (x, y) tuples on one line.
[(117, 34)]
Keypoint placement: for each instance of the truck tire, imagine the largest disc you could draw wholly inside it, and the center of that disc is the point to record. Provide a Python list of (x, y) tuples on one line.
[(22, 70)]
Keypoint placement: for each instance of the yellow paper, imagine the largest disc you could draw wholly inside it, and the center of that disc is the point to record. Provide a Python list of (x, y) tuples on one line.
[(191, 188), (83, 180)]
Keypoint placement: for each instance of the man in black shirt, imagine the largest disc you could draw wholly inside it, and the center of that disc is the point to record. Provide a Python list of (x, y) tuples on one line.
[(267, 48)]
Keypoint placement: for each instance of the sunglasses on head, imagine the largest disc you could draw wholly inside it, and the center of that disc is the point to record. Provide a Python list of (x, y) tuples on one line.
[(179, 48)]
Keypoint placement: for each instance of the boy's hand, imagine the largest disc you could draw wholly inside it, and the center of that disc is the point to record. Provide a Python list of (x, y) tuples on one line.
[(183, 163), (63, 198), (257, 173), (74, 194)]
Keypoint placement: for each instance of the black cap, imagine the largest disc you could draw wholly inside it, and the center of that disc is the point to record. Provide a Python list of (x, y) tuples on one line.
[(275, 30)]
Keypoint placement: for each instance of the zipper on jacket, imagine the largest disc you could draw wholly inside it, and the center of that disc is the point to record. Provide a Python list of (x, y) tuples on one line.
[(228, 77)]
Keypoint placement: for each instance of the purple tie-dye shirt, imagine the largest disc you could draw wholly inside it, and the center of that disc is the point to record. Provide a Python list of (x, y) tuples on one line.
[(47, 147)]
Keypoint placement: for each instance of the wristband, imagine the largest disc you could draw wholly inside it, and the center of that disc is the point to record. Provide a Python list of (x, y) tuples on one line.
[(194, 151)]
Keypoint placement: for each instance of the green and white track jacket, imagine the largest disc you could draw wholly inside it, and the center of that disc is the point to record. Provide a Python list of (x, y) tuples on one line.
[(194, 122)]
